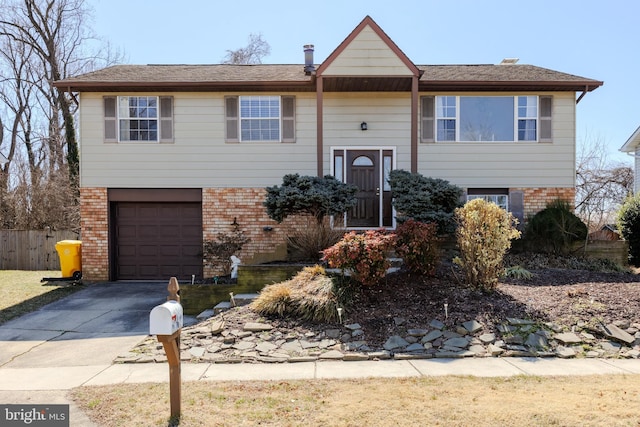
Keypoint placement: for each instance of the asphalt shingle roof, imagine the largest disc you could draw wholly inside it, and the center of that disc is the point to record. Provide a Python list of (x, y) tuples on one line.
[(219, 75)]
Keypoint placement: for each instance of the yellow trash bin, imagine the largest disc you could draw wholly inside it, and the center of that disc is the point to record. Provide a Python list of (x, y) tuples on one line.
[(70, 253)]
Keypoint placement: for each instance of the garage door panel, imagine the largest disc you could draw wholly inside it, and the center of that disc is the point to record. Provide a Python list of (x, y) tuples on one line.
[(170, 251), (151, 211), (148, 251), (191, 231), (157, 240), (126, 251), (192, 251), (148, 270), (126, 212)]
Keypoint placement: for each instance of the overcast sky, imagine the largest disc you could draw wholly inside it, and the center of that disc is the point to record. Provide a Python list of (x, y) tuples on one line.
[(588, 38)]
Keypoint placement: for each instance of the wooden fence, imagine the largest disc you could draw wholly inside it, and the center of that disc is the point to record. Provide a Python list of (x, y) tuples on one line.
[(31, 249)]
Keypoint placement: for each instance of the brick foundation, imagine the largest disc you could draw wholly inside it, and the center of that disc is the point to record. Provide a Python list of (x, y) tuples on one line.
[(94, 223), (221, 208), (536, 199)]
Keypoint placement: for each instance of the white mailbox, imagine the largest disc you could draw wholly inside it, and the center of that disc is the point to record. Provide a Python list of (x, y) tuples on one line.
[(165, 319)]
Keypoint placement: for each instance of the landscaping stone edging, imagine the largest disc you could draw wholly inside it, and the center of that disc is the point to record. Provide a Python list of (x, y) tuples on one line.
[(257, 341)]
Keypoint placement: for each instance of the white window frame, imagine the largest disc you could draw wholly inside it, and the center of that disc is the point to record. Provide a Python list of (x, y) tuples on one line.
[(530, 113), (121, 117), (492, 198), (441, 115), (253, 119)]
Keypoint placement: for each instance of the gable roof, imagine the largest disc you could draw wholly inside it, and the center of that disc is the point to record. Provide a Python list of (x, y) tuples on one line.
[(368, 22), (632, 143)]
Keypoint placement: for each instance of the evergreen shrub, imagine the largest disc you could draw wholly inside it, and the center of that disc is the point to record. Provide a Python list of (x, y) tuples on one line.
[(423, 199), (554, 229), (628, 221)]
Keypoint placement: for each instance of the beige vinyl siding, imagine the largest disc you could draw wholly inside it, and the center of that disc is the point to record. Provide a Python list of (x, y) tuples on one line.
[(367, 55), (199, 156), (388, 117), (636, 175), (508, 164)]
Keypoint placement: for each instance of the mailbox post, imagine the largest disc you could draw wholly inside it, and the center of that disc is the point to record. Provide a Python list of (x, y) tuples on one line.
[(165, 321)]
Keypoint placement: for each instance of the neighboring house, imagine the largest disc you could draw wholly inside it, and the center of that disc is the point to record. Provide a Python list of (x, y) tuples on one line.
[(174, 154), (607, 232), (632, 147)]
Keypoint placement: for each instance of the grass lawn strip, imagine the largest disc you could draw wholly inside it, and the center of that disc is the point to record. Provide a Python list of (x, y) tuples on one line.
[(22, 292), (598, 400)]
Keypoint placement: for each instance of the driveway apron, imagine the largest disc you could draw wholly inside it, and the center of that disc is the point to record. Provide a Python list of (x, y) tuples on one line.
[(90, 327)]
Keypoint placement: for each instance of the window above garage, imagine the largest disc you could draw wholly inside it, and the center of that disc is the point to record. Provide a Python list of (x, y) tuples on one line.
[(138, 119)]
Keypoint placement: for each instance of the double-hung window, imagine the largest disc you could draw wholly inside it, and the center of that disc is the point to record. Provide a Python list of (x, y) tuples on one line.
[(138, 119), (486, 118), (499, 199), (260, 118)]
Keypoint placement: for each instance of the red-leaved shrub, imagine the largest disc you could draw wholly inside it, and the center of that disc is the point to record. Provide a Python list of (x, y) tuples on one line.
[(363, 254), (417, 243)]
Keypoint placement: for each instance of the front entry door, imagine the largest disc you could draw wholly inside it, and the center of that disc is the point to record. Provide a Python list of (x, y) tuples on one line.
[(363, 171)]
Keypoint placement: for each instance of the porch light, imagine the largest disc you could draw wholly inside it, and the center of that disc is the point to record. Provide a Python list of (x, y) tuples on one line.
[(363, 126)]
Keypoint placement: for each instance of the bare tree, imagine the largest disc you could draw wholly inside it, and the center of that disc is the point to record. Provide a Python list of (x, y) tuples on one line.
[(42, 41), (251, 54), (601, 185)]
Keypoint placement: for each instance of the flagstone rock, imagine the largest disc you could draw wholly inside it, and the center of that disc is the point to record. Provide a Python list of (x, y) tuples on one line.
[(457, 342), (537, 341), (613, 332), (519, 322), (568, 338), (244, 345), (265, 347), (256, 327), (494, 350), (432, 336), (436, 324), (395, 342), (487, 338), (565, 352), (414, 347), (197, 351), (332, 355), (610, 346), (241, 336), (472, 326)]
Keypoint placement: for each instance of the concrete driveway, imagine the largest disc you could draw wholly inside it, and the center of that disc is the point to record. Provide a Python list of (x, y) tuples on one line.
[(90, 327)]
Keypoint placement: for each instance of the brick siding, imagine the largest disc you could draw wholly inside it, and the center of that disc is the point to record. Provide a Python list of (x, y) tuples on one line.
[(536, 199), (221, 208), (94, 222)]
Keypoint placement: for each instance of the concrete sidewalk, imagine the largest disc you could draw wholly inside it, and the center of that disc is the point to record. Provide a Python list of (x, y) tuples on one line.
[(68, 377)]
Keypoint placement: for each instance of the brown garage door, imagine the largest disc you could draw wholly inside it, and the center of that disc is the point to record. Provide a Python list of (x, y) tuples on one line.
[(157, 240)]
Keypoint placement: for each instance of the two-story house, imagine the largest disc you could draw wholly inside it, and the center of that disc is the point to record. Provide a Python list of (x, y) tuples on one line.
[(170, 155)]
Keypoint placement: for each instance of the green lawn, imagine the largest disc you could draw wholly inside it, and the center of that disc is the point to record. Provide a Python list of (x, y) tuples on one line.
[(22, 291)]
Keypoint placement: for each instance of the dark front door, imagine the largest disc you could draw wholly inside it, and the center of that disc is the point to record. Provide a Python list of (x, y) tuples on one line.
[(363, 170)]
